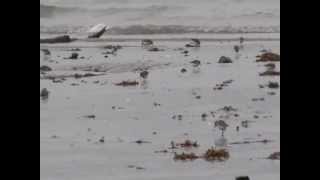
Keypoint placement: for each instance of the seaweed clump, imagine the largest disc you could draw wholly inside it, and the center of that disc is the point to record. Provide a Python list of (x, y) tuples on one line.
[(268, 56), (213, 154), (185, 156), (127, 83)]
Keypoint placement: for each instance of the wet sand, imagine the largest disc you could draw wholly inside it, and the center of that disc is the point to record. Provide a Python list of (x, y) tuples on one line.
[(79, 112)]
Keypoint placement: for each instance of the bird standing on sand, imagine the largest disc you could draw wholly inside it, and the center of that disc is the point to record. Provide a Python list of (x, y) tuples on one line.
[(194, 43), (146, 43)]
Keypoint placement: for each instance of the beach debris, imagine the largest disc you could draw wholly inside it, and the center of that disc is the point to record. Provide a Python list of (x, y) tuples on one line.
[(136, 167), (270, 66), (127, 83), (213, 154), (78, 76), (228, 109), (97, 31), (144, 74), (270, 72), (75, 84), (185, 156), (265, 141), (155, 104), (179, 117), (187, 144), (274, 156), (242, 178), (271, 93), (142, 142), (73, 56), (194, 43), (273, 85), (222, 85), (162, 151), (58, 80), (102, 140), (268, 56), (237, 128), (58, 39), (111, 49), (155, 49), (74, 49), (44, 94), (90, 116), (224, 60), (257, 99)]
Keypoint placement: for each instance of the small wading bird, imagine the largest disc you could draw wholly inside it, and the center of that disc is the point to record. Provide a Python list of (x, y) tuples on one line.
[(194, 43), (146, 43)]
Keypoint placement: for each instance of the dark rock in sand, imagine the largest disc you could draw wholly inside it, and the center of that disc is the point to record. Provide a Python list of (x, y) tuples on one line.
[(273, 85), (74, 56), (154, 49), (45, 68), (59, 39), (274, 156), (243, 178), (46, 52), (224, 60), (44, 94), (270, 72), (183, 70), (196, 63), (144, 74)]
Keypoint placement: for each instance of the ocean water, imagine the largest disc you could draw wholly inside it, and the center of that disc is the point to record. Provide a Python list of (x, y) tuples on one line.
[(160, 16)]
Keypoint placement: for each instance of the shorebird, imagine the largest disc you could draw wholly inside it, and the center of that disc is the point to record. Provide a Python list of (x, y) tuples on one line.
[(194, 43), (146, 43), (221, 125)]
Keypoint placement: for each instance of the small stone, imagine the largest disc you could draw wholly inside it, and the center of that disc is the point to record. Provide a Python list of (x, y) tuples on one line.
[(224, 60), (242, 178)]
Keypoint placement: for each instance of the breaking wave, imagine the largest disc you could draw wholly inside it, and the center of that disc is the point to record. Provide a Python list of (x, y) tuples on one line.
[(163, 29)]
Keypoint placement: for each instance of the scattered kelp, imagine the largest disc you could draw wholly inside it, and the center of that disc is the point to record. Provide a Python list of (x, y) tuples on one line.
[(128, 83)]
